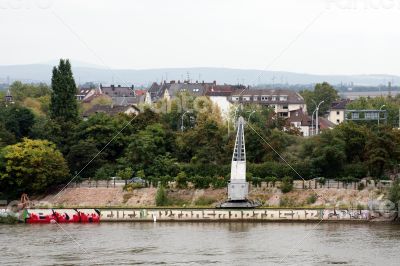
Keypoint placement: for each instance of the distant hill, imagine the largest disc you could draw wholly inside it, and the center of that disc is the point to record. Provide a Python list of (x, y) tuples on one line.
[(85, 73)]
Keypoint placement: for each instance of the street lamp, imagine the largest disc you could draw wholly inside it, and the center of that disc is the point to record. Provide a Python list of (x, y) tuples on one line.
[(379, 113), (312, 122), (316, 116), (182, 119)]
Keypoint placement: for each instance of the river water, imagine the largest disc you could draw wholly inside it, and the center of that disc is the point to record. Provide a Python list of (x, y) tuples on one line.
[(200, 243)]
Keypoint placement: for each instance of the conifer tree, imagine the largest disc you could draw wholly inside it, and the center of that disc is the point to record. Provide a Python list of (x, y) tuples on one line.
[(63, 105)]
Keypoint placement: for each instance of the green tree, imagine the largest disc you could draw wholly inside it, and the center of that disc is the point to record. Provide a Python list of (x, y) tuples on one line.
[(394, 194), (147, 145), (161, 196), (322, 92), (125, 173), (63, 105), (17, 120), (6, 137), (286, 184), (382, 151), (83, 157), (32, 166), (21, 91)]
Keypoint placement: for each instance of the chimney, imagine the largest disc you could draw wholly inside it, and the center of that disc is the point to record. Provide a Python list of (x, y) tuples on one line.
[(215, 82), (172, 82), (179, 81), (197, 81)]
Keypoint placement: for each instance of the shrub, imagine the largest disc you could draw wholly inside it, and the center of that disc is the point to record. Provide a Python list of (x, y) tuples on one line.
[(132, 186), (286, 184), (394, 193), (201, 181), (361, 186), (357, 170), (312, 199), (181, 180), (219, 182), (161, 196)]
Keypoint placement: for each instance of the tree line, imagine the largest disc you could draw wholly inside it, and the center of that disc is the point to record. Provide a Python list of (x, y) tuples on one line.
[(44, 143)]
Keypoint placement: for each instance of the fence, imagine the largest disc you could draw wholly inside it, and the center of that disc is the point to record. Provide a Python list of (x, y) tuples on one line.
[(88, 183)]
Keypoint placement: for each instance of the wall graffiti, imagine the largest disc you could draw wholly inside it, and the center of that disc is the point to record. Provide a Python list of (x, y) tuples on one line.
[(215, 214)]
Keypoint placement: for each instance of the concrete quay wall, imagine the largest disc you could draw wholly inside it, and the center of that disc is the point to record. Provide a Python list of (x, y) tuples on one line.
[(203, 215)]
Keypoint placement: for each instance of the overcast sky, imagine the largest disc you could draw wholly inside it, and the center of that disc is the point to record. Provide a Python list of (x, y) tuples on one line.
[(310, 36)]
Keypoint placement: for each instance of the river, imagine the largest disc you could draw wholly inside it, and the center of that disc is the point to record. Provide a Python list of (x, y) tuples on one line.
[(200, 243)]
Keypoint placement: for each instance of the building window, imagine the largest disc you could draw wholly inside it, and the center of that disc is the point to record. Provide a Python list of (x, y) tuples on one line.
[(255, 98), (337, 121), (246, 98), (264, 98), (273, 98), (235, 99), (283, 98), (285, 107), (337, 113), (371, 116), (355, 115)]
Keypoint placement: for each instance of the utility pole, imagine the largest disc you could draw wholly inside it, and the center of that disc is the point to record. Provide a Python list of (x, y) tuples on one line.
[(379, 113), (312, 122), (182, 119)]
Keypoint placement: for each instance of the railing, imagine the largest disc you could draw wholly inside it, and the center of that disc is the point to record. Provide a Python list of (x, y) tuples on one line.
[(89, 183)]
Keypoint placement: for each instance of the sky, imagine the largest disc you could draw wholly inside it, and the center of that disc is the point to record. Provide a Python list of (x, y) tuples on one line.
[(308, 36)]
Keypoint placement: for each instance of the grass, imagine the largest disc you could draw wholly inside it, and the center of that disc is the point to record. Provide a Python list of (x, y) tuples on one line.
[(204, 201)]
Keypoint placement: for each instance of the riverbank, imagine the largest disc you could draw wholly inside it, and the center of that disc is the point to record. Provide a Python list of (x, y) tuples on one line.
[(269, 197), (201, 215)]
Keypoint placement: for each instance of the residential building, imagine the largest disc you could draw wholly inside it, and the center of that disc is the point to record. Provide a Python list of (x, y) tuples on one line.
[(111, 110), (337, 112), (169, 90), (283, 101), (119, 95), (298, 118), (219, 95)]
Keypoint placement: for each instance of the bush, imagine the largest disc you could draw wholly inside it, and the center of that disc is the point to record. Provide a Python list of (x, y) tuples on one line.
[(132, 186), (181, 180), (286, 184), (201, 181), (105, 172), (219, 182), (361, 186), (357, 170), (8, 219), (394, 193), (161, 196), (312, 199)]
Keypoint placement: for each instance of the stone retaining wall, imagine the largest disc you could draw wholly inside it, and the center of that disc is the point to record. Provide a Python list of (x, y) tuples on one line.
[(232, 215)]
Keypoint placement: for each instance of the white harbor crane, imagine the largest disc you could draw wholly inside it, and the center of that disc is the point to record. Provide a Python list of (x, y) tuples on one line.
[(238, 187)]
